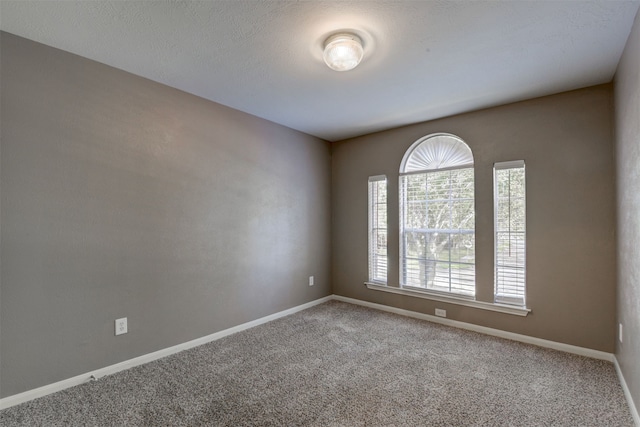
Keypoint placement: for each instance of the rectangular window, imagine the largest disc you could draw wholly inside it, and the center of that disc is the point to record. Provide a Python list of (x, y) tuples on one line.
[(510, 232), (378, 229), (438, 231)]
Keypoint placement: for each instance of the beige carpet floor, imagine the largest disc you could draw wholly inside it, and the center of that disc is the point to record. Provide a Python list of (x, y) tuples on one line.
[(337, 364)]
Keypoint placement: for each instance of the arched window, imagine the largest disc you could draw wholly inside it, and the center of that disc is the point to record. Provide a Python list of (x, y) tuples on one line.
[(437, 216)]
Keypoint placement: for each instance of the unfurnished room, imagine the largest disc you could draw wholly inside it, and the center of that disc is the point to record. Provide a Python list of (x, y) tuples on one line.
[(320, 213)]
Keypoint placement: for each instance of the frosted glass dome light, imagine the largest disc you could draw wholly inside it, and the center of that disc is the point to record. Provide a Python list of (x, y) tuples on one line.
[(343, 52)]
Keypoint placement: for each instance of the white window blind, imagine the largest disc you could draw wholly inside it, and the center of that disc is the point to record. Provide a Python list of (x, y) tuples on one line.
[(510, 232), (378, 229), (437, 216)]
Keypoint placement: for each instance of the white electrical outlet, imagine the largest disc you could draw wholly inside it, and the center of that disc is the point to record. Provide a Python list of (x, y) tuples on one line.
[(440, 312), (311, 281), (121, 326), (620, 332)]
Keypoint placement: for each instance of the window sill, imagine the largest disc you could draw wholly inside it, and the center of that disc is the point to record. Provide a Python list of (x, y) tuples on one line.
[(500, 308)]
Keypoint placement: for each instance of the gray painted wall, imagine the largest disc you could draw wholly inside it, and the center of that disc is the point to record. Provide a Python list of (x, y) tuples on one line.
[(566, 141), (627, 114), (122, 197)]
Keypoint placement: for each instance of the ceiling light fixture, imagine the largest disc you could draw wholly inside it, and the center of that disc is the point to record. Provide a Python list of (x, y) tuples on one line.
[(343, 51)]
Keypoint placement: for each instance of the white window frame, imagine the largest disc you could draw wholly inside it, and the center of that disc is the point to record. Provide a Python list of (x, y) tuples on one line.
[(518, 280), (433, 159), (430, 159), (378, 262)]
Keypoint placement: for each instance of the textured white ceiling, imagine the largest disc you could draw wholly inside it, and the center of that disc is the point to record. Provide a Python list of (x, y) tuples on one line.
[(423, 59)]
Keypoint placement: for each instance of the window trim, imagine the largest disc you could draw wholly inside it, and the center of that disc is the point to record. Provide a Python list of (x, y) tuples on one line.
[(371, 253), (463, 160), (416, 145), (500, 166), (450, 299)]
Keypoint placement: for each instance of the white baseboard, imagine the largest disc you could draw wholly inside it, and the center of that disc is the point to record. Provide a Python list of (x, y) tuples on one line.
[(595, 354), (16, 399), (108, 370), (627, 394)]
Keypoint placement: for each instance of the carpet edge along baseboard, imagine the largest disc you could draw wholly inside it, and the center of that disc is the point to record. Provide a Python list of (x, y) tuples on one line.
[(28, 395)]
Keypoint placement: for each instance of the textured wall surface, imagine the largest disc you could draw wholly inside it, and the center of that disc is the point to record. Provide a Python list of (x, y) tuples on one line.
[(627, 113), (566, 141), (125, 198)]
